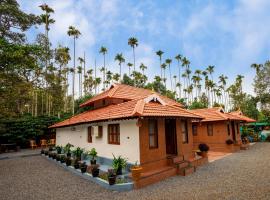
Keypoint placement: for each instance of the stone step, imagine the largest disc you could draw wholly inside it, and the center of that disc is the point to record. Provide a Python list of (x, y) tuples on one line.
[(186, 171), (154, 176)]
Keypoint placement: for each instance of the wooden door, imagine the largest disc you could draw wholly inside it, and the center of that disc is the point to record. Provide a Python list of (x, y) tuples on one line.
[(171, 140)]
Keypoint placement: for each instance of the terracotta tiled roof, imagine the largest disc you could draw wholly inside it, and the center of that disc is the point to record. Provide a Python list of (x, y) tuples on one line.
[(240, 115), (131, 109), (215, 114), (121, 91)]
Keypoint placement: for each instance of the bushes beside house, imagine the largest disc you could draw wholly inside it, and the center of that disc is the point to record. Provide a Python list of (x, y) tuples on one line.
[(21, 130)]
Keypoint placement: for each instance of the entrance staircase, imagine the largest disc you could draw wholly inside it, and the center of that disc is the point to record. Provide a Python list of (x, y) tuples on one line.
[(183, 167)]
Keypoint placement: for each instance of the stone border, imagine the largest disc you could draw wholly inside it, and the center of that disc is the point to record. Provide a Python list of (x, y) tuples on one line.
[(117, 187)]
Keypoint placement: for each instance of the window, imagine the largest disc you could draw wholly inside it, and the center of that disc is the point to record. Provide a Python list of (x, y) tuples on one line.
[(210, 129), (228, 129), (89, 134), (113, 134), (184, 129), (100, 131), (195, 130), (153, 133)]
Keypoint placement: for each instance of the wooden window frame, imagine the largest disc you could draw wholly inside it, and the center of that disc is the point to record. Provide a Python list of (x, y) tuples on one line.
[(89, 134), (208, 130), (194, 133), (114, 135), (184, 132), (154, 134)]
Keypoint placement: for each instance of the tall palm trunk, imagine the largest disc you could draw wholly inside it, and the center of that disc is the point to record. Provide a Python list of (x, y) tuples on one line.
[(73, 76), (84, 87), (134, 59), (170, 76), (160, 67)]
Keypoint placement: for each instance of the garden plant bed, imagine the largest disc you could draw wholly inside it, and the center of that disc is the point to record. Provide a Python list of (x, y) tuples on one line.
[(121, 184)]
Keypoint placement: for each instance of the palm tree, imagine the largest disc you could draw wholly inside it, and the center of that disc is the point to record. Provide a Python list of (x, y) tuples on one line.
[(222, 81), (163, 66), (210, 70), (179, 86), (109, 78), (179, 58), (133, 42), (129, 66), (103, 50), (97, 82), (143, 67), (102, 70), (79, 70), (160, 53), (168, 62), (116, 77), (75, 33), (45, 18), (257, 67), (82, 64), (174, 77), (119, 57)]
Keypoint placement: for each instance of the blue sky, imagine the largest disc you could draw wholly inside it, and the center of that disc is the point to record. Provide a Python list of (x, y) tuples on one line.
[(231, 34)]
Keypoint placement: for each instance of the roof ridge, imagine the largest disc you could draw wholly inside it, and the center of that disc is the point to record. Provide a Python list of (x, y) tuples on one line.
[(112, 90), (139, 107), (221, 114), (185, 110)]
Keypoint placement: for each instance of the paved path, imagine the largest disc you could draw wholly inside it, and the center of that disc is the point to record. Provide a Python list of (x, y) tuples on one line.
[(243, 175)]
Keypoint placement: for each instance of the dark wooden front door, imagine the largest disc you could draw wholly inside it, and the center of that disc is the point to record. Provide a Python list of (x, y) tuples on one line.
[(233, 130), (170, 132)]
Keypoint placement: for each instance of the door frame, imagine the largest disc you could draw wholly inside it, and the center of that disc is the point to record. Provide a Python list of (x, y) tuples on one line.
[(233, 131), (171, 136)]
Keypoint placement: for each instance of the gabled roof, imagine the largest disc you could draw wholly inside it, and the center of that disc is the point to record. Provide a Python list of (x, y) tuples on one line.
[(121, 91), (239, 113), (150, 106), (215, 114)]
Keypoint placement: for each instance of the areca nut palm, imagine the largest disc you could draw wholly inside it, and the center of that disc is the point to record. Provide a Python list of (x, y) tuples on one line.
[(168, 62), (143, 67), (75, 33), (133, 42), (159, 54), (103, 50), (119, 57)]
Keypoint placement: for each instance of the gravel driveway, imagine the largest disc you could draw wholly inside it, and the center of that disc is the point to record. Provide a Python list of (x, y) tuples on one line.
[(243, 175)]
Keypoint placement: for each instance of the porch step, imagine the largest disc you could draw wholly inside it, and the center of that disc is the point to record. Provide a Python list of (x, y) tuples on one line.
[(244, 147), (186, 170), (155, 175), (174, 159)]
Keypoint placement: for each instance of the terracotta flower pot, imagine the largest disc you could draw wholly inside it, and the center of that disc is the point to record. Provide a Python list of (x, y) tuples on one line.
[(204, 154), (136, 173), (111, 180)]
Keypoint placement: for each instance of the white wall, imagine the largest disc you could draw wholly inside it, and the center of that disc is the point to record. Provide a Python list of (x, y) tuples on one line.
[(129, 140)]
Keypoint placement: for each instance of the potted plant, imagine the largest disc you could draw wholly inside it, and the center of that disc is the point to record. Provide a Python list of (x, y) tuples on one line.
[(111, 176), (50, 154), (50, 149), (78, 153), (118, 164), (42, 151), (76, 164), (67, 149), (83, 167), (136, 171), (58, 157), (95, 170), (62, 159), (58, 149), (204, 148), (68, 161), (46, 153), (54, 155), (229, 142), (93, 154)]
